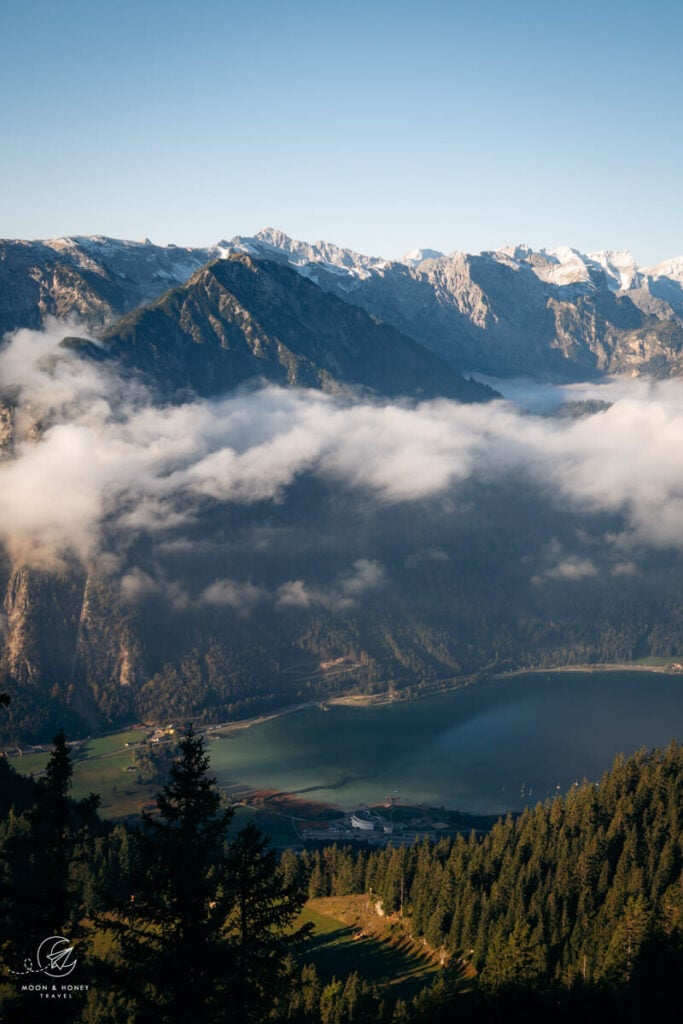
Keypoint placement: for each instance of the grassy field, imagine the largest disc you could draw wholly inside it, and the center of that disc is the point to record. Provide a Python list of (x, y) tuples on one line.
[(101, 766), (349, 936), (102, 746), (117, 788), (30, 764), (106, 766), (659, 662), (110, 744)]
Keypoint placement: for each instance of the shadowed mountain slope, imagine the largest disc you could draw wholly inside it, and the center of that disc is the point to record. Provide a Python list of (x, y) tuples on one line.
[(240, 319)]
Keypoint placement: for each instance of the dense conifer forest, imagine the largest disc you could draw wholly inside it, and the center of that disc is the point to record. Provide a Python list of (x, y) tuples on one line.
[(576, 900), (572, 909)]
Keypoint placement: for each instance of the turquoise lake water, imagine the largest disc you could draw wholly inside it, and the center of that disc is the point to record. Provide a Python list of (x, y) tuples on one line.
[(488, 748)]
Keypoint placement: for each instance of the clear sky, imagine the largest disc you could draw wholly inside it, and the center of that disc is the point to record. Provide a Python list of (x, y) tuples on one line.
[(378, 125)]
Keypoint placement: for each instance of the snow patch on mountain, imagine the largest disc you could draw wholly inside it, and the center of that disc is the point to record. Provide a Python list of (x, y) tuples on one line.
[(414, 257), (564, 266), (270, 243), (620, 268), (673, 269)]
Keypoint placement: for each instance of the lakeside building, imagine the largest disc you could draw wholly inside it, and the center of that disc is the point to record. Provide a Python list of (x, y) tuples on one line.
[(364, 820)]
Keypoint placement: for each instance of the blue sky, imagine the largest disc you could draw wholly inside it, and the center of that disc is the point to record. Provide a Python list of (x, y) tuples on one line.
[(379, 125)]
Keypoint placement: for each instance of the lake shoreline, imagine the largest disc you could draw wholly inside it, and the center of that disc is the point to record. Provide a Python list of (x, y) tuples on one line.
[(486, 713), (387, 697)]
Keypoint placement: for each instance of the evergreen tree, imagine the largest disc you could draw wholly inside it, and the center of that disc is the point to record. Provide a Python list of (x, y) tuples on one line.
[(203, 926), (264, 907), (41, 888), (51, 824), (40, 846), (175, 952)]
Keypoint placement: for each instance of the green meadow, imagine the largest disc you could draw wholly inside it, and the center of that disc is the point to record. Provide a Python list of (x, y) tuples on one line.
[(348, 936), (101, 765)]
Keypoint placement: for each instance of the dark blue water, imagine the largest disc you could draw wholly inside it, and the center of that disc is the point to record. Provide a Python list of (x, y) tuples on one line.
[(490, 748)]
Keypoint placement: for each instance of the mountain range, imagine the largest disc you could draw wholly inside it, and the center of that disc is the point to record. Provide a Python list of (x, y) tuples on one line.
[(557, 313)]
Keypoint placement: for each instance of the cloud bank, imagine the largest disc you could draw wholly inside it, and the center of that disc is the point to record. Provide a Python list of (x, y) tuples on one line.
[(90, 453)]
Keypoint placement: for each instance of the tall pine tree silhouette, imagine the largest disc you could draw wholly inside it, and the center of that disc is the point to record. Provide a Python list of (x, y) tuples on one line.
[(203, 931), (175, 953), (40, 893)]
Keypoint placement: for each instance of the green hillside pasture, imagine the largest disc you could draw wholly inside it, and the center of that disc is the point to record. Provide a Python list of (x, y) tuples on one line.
[(654, 662), (102, 746), (109, 744), (30, 764), (116, 786), (348, 936)]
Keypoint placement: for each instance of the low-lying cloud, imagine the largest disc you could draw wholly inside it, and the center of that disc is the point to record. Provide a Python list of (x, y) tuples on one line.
[(365, 574), (90, 450)]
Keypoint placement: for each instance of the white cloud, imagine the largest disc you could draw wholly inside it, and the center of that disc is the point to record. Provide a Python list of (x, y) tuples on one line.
[(90, 449), (241, 596), (137, 584), (572, 568), (294, 594), (364, 574)]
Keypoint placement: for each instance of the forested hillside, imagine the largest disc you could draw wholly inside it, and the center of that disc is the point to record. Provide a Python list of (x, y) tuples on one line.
[(574, 907), (240, 610)]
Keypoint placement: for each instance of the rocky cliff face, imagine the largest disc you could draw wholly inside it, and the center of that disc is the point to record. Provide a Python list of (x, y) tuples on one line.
[(40, 622), (42, 612), (94, 279), (513, 311), (107, 651), (69, 648), (6, 430)]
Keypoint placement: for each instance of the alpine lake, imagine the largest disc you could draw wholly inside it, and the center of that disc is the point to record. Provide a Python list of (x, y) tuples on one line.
[(487, 748)]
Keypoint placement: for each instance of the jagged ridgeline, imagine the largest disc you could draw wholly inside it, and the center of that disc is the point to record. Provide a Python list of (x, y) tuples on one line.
[(511, 311), (240, 319)]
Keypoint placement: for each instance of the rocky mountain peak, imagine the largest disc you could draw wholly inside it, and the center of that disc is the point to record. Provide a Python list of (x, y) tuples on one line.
[(239, 319)]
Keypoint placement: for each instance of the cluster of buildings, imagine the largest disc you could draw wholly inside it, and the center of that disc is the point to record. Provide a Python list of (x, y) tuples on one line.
[(367, 826), (160, 733)]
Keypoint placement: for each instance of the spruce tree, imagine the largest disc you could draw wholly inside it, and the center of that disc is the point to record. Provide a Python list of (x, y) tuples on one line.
[(40, 889), (203, 926), (39, 846), (176, 955), (260, 922)]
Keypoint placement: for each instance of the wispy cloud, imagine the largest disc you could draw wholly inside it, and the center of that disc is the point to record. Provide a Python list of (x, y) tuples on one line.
[(364, 574), (241, 596)]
